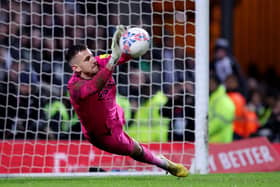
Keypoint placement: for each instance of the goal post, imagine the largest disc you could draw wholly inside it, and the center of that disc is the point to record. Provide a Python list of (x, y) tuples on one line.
[(164, 93), (202, 86)]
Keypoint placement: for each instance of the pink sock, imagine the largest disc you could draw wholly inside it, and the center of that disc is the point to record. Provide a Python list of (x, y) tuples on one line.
[(151, 158)]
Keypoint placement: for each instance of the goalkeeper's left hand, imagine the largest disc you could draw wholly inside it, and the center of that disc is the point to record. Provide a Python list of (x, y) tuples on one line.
[(116, 51)]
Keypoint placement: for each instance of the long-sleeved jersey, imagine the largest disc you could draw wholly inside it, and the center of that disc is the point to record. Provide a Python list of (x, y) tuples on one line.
[(94, 100)]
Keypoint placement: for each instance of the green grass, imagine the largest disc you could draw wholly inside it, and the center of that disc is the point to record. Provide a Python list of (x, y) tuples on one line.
[(216, 180)]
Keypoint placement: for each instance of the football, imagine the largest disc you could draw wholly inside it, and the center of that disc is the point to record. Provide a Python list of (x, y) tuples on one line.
[(135, 42)]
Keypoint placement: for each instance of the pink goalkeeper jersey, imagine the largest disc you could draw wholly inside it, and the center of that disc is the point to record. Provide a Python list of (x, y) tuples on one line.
[(96, 105)]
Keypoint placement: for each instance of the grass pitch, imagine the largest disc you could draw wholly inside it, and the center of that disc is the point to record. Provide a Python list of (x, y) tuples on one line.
[(215, 180)]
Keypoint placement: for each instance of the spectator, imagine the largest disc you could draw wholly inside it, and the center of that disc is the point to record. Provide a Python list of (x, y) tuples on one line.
[(256, 103), (125, 104), (138, 87), (246, 121), (4, 67), (168, 61), (62, 122), (30, 49), (52, 64), (8, 98), (149, 126), (269, 102), (221, 113), (178, 109), (135, 86), (22, 114), (224, 64), (28, 119), (271, 129), (146, 124), (4, 40), (5, 62)]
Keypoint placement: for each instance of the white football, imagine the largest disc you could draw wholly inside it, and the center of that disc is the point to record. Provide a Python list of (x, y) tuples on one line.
[(135, 42)]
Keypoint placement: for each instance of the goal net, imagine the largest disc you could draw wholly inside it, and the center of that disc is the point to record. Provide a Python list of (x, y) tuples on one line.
[(39, 130)]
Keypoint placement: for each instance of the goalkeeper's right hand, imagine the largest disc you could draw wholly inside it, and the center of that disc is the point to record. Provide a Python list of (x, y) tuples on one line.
[(116, 51)]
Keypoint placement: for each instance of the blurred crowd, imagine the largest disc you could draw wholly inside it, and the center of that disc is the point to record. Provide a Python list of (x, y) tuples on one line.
[(249, 103), (156, 92)]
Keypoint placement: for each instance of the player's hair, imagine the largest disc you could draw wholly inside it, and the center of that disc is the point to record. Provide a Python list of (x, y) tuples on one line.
[(72, 51)]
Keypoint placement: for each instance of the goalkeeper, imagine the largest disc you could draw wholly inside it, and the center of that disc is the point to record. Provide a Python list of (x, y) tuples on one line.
[(93, 96)]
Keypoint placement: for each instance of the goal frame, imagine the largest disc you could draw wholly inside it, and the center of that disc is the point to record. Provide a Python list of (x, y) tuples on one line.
[(201, 86)]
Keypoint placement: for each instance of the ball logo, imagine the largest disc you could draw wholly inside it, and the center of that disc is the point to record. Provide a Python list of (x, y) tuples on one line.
[(135, 42), (129, 38)]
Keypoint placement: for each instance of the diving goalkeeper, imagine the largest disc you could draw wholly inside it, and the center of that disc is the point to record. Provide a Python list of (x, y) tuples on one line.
[(93, 96)]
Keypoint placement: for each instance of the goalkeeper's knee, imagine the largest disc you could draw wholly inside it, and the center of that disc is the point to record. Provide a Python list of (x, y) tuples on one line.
[(137, 152)]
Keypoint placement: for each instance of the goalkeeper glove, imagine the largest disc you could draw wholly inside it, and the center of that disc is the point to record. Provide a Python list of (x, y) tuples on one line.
[(116, 51)]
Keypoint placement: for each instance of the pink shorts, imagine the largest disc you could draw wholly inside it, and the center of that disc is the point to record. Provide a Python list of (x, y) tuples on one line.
[(117, 141)]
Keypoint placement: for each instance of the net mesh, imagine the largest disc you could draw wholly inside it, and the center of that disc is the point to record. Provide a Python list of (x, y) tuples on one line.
[(39, 130)]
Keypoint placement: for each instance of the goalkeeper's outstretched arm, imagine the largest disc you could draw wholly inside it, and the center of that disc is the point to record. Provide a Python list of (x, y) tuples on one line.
[(117, 57)]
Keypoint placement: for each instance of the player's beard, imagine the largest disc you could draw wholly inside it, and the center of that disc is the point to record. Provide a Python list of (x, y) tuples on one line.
[(90, 73)]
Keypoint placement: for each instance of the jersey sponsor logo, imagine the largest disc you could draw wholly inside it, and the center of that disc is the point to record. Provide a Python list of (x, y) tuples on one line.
[(104, 56)]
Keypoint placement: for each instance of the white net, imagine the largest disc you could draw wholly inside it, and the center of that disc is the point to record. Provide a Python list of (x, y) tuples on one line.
[(39, 131)]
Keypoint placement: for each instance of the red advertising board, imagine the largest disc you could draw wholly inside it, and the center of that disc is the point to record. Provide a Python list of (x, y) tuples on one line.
[(76, 156), (249, 155)]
